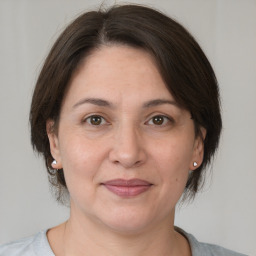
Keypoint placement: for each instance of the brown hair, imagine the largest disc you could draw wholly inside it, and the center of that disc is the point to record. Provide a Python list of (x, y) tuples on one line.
[(181, 62)]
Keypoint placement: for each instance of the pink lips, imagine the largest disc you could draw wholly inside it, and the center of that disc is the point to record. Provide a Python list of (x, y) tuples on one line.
[(127, 188)]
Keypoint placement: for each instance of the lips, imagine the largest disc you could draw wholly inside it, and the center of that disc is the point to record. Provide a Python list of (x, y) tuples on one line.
[(127, 188)]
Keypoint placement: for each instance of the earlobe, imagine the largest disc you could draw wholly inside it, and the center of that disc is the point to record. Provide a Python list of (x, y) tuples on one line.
[(198, 154), (54, 144)]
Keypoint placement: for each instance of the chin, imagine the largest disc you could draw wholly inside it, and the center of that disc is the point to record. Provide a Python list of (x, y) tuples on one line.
[(127, 222)]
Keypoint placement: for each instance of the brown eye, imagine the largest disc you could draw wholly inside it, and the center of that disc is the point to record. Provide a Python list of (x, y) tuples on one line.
[(158, 120), (95, 120)]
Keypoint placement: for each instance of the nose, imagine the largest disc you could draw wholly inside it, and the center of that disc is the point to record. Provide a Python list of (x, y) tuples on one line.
[(127, 150)]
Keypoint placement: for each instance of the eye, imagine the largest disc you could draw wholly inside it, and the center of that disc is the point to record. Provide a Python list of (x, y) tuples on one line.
[(95, 120), (159, 120)]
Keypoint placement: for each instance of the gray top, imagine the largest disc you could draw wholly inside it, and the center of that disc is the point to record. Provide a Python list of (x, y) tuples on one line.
[(38, 245)]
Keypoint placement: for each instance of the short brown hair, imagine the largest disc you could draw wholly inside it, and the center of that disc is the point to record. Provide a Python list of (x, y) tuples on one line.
[(181, 62)]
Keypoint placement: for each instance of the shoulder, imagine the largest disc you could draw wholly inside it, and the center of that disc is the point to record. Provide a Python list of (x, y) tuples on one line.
[(205, 249), (36, 245), (215, 250)]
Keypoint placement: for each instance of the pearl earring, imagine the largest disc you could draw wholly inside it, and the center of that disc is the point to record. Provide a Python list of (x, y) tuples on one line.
[(54, 162), (194, 164)]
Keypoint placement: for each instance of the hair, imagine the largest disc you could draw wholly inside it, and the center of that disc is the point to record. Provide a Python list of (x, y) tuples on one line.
[(181, 62)]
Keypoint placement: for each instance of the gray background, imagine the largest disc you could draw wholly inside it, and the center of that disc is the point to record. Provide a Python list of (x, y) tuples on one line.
[(225, 212)]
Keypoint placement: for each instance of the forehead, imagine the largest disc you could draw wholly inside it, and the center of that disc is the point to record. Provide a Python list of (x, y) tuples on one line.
[(118, 73)]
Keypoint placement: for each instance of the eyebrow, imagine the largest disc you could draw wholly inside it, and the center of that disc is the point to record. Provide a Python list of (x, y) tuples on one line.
[(94, 101), (105, 103), (157, 102)]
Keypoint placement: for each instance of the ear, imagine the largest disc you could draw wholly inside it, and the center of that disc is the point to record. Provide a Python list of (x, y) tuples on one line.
[(198, 151), (54, 144)]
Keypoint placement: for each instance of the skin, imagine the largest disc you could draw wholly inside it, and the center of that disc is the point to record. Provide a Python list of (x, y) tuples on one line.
[(134, 135)]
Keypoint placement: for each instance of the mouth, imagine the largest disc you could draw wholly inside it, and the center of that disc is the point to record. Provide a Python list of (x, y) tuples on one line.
[(127, 188)]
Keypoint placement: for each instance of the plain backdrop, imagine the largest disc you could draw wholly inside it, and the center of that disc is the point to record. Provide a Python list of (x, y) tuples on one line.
[(225, 212)]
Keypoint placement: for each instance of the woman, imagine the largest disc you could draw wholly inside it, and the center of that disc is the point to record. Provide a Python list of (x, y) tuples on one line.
[(126, 114)]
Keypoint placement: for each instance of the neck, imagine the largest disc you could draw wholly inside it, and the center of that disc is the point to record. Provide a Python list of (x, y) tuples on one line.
[(80, 235)]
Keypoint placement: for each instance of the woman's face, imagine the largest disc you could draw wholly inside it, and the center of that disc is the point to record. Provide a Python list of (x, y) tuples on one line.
[(125, 146)]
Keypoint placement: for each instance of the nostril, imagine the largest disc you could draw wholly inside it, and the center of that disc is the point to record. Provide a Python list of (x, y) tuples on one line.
[(127, 163), (138, 163)]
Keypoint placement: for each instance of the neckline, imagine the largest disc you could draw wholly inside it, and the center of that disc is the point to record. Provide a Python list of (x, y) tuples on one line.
[(45, 248)]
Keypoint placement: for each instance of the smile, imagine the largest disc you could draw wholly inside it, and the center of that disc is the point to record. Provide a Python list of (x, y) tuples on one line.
[(127, 188)]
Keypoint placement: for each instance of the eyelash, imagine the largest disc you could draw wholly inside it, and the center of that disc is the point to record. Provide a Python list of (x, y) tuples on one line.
[(165, 121), (89, 120)]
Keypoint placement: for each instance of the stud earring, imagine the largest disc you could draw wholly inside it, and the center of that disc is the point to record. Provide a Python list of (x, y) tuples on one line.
[(52, 169), (195, 164)]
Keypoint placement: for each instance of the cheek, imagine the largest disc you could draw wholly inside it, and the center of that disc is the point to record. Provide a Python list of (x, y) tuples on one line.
[(169, 165), (174, 154), (76, 149), (81, 160), (173, 161)]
